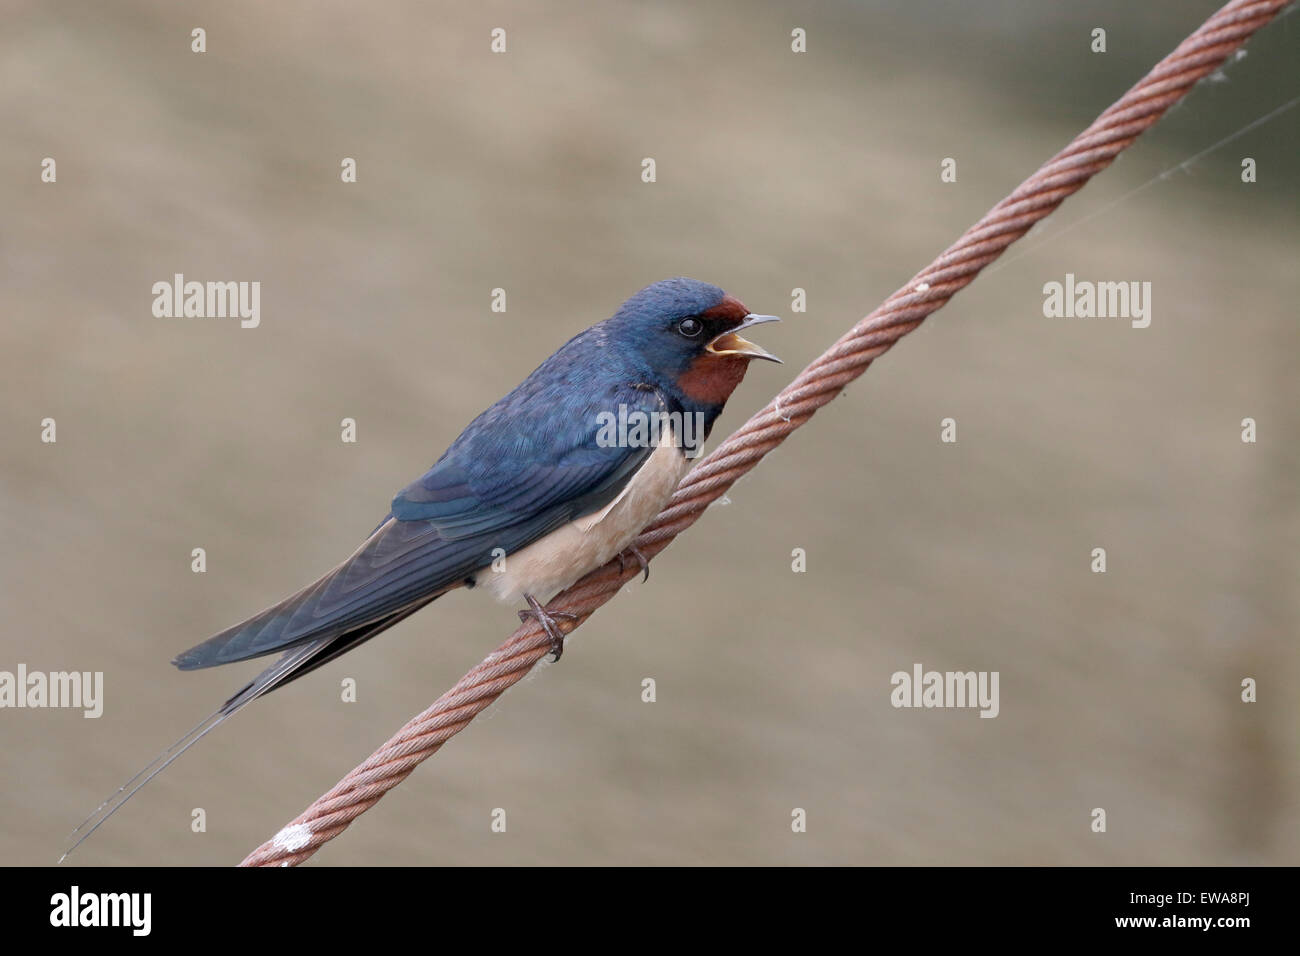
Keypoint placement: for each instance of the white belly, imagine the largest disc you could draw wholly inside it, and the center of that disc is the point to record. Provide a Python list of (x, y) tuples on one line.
[(549, 565)]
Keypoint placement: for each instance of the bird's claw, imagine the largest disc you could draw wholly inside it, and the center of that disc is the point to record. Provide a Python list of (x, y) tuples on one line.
[(549, 622), (640, 559)]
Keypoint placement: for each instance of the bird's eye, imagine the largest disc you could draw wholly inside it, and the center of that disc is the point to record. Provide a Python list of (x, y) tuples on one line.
[(690, 327)]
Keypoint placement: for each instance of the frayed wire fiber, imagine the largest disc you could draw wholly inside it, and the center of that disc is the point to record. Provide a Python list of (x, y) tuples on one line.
[(1065, 173)]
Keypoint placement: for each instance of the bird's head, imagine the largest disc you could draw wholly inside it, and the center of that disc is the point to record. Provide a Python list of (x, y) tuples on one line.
[(688, 333)]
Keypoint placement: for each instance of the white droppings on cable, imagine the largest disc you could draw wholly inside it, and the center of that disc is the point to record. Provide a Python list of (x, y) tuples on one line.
[(292, 838)]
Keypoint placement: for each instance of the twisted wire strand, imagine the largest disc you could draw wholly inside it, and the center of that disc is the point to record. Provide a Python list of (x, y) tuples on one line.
[(929, 290)]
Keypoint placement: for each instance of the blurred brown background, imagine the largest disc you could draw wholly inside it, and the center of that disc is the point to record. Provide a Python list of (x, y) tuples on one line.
[(775, 171)]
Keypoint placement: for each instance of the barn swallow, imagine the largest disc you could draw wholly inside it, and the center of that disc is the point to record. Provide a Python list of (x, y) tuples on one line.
[(536, 492)]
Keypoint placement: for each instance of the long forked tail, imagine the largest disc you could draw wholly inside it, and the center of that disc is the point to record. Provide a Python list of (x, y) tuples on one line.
[(128, 789), (294, 664)]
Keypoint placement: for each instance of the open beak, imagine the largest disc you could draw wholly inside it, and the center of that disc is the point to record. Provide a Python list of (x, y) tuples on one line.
[(730, 343)]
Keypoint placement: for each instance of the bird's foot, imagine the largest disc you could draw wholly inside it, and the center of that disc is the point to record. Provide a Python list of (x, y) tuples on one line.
[(549, 620), (640, 559)]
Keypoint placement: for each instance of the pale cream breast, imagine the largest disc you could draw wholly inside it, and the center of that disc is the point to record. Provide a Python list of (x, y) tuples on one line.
[(551, 564)]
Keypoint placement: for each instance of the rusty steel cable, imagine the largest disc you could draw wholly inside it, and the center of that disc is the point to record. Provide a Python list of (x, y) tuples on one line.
[(1065, 173)]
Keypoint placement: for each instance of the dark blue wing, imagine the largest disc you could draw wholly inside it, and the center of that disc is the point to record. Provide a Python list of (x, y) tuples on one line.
[(535, 460), (518, 472), (399, 564)]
